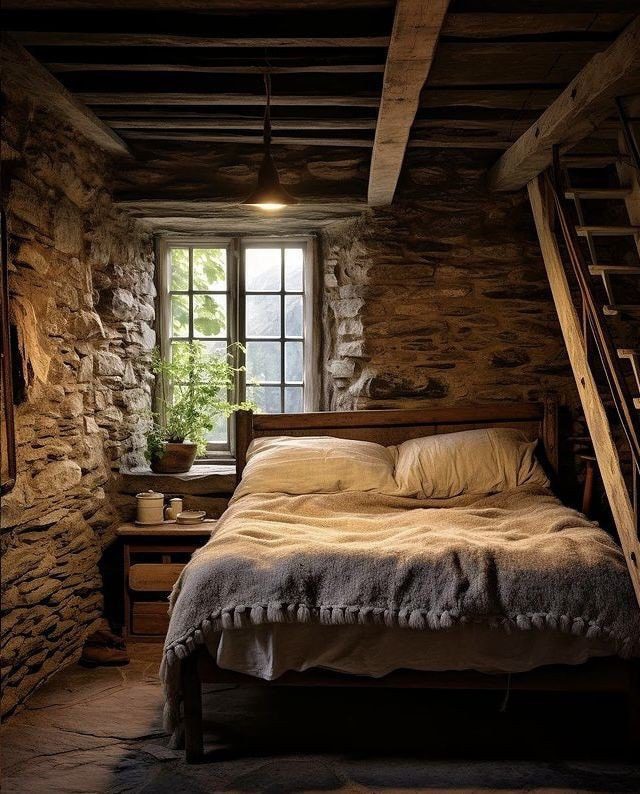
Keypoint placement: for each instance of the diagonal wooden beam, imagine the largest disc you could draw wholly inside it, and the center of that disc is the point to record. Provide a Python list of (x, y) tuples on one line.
[(416, 28), (585, 102), (23, 76)]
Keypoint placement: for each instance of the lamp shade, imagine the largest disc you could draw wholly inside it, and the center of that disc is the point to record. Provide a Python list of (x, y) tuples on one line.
[(269, 193)]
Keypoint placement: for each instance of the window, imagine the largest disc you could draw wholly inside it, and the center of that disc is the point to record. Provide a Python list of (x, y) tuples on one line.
[(257, 293)]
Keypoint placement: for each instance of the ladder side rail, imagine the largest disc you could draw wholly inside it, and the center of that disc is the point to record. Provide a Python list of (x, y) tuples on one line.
[(628, 133)]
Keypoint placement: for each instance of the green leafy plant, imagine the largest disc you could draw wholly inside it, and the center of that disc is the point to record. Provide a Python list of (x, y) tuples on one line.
[(194, 386)]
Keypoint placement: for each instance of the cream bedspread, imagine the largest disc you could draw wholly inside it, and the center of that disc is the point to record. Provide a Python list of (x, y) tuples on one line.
[(518, 560)]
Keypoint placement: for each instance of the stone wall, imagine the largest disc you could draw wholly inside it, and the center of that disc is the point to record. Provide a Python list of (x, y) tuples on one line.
[(81, 284), (442, 298)]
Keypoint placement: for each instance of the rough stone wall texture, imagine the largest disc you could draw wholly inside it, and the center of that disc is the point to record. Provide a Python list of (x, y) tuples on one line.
[(441, 298), (81, 284)]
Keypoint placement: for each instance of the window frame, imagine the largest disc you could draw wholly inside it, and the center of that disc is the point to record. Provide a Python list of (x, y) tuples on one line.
[(236, 294)]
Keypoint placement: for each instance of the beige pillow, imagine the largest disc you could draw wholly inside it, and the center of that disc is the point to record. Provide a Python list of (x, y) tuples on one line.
[(469, 462), (316, 464)]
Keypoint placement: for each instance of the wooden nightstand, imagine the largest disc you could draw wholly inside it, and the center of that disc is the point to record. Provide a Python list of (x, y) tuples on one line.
[(153, 560)]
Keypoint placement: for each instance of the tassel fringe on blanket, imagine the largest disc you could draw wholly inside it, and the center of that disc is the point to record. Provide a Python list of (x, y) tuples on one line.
[(276, 612)]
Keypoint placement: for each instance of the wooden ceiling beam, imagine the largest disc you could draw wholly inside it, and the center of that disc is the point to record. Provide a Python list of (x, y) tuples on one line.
[(416, 28), (182, 99), (585, 102), (46, 38), (24, 77)]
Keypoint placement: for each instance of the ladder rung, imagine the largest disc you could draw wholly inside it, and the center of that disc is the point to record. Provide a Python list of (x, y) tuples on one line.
[(594, 160), (628, 352), (598, 193), (614, 308), (607, 231), (622, 270)]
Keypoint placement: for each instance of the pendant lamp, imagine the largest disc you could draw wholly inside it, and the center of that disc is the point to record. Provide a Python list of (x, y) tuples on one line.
[(269, 194)]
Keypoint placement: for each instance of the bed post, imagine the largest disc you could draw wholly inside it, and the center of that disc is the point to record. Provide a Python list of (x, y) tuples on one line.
[(550, 437), (244, 434), (192, 705)]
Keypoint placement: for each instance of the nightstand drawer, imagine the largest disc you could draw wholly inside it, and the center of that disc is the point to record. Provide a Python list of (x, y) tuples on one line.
[(152, 577), (150, 618)]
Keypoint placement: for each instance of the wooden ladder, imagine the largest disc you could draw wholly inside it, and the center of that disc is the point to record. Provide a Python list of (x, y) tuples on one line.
[(594, 313)]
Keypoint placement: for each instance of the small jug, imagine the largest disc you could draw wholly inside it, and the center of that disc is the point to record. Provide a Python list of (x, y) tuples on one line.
[(175, 507)]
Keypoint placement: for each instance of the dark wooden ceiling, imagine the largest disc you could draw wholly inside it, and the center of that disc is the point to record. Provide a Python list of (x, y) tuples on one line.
[(175, 79)]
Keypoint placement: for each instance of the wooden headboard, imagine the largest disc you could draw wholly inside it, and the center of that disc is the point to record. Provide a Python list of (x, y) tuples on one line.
[(538, 420)]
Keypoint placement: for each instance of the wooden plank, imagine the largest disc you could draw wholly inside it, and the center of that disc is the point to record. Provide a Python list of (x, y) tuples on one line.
[(154, 577), (168, 530), (182, 99), (240, 123), (212, 6), (585, 102), (416, 28), (456, 414), (190, 68), (149, 618), (47, 38), (253, 140), (491, 25), (24, 77), (292, 140), (594, 410), (512, 98)]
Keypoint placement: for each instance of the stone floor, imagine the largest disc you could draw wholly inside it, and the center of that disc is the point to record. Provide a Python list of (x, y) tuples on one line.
[(100, 731)]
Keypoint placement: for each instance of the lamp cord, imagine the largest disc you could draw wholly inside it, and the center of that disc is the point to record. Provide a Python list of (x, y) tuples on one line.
[(267, 111)]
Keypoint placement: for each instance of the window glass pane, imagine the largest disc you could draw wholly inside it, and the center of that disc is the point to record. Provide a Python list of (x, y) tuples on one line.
[(218, 434), (210, 269), (179, 315), (293, 400), (267, 398), (179, 266), (262, 269), (293, 362), (293, 260), (262, 315), (293, 315), (218, 349), (263, 362), (209, 315)]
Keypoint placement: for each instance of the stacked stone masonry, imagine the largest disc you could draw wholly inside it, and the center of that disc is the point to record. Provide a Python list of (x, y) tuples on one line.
[(442, 297), (82, 291)]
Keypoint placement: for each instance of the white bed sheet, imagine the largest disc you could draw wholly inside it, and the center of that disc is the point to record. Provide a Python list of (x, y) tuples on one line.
[(267, 651)]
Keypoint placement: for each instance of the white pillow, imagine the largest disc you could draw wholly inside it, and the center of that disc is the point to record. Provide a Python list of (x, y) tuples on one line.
[(316, 464), (470, 462)]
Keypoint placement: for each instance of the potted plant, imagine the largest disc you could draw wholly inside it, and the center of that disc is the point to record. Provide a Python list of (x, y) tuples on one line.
[(194, 385)]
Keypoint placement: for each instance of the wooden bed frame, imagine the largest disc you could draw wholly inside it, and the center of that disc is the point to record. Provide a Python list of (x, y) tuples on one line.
[(538, 420)]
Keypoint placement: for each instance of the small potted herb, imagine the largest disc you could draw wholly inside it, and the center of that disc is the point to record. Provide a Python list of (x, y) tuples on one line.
[(194, 386)]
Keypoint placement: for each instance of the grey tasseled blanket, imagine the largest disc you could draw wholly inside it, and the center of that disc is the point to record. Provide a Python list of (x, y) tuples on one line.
[(517, 560)]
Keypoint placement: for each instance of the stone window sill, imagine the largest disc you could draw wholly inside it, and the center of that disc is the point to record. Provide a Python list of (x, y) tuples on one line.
[(202, 479)]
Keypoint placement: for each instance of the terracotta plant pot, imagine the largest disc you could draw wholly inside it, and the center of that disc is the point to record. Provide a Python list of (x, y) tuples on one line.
[(176, 459)]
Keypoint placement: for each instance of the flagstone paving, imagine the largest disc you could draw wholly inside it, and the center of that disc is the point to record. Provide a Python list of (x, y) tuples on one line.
[(100, 731)]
